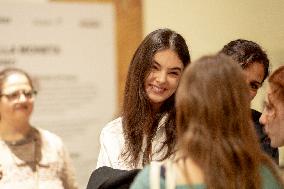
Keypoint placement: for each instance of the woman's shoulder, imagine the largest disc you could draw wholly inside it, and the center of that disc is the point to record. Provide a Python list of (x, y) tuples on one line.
[(112, 133), (269, 180), (114, 126), (142, 179), (49, 136)]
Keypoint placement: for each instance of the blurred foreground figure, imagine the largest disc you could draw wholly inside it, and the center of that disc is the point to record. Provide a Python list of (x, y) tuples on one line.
[(30, 158), (217, 145)]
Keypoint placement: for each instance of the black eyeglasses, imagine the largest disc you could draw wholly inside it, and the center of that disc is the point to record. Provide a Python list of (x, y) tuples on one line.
[(17, 94)]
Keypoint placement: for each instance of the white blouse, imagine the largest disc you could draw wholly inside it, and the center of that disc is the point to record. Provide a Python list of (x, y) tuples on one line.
[(46, 153), (112, 143)]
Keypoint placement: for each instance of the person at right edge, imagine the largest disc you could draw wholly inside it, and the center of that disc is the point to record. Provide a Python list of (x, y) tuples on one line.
[(255, 64)]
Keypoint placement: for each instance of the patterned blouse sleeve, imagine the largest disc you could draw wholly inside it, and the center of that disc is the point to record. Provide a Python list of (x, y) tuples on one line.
[(68, 172)]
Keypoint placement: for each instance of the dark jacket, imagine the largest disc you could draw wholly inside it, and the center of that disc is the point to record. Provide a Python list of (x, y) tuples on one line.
[(263, 138), (109, 178)]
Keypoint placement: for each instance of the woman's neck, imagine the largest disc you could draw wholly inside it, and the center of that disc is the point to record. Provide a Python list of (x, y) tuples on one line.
[(156, 107), (12, 132)]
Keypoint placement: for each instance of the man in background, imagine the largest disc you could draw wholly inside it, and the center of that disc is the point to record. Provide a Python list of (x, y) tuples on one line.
[(253, 59)]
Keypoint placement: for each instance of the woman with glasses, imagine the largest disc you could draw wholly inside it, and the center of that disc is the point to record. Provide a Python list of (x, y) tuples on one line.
[(29, 157)]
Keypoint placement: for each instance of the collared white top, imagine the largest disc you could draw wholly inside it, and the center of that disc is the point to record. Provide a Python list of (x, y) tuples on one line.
[(112, 143)]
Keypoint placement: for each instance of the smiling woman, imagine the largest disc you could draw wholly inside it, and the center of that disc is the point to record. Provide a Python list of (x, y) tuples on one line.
[(30, 157), (163, 78), (16, 104), (145, 131)]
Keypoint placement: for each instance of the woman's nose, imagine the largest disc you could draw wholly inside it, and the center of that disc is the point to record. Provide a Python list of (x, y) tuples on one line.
[(263, 119), (22, 97), (162, 77)]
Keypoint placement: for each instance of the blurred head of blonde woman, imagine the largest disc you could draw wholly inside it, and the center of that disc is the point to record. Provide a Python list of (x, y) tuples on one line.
[(273, 115)]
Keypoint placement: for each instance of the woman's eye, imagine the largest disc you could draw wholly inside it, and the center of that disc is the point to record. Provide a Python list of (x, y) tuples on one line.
[(269, 109), (174, 73), (14, 95), (154, 67), (28, 94)]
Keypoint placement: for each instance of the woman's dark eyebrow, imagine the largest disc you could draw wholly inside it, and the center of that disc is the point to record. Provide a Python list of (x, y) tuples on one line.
[(172, 69), (155, 62), (175, 69)]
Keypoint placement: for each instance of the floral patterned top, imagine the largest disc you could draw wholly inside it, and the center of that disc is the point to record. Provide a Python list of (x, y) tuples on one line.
[(40, 161)]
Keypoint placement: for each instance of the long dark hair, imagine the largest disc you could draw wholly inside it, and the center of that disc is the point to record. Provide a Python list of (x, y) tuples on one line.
[(138, 117), (214, 125)]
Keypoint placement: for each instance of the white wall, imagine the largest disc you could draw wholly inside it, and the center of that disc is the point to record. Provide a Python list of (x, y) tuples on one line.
[(208, 25)]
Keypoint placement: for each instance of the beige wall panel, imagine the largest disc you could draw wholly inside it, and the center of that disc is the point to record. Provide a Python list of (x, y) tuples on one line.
[(209, 24)]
